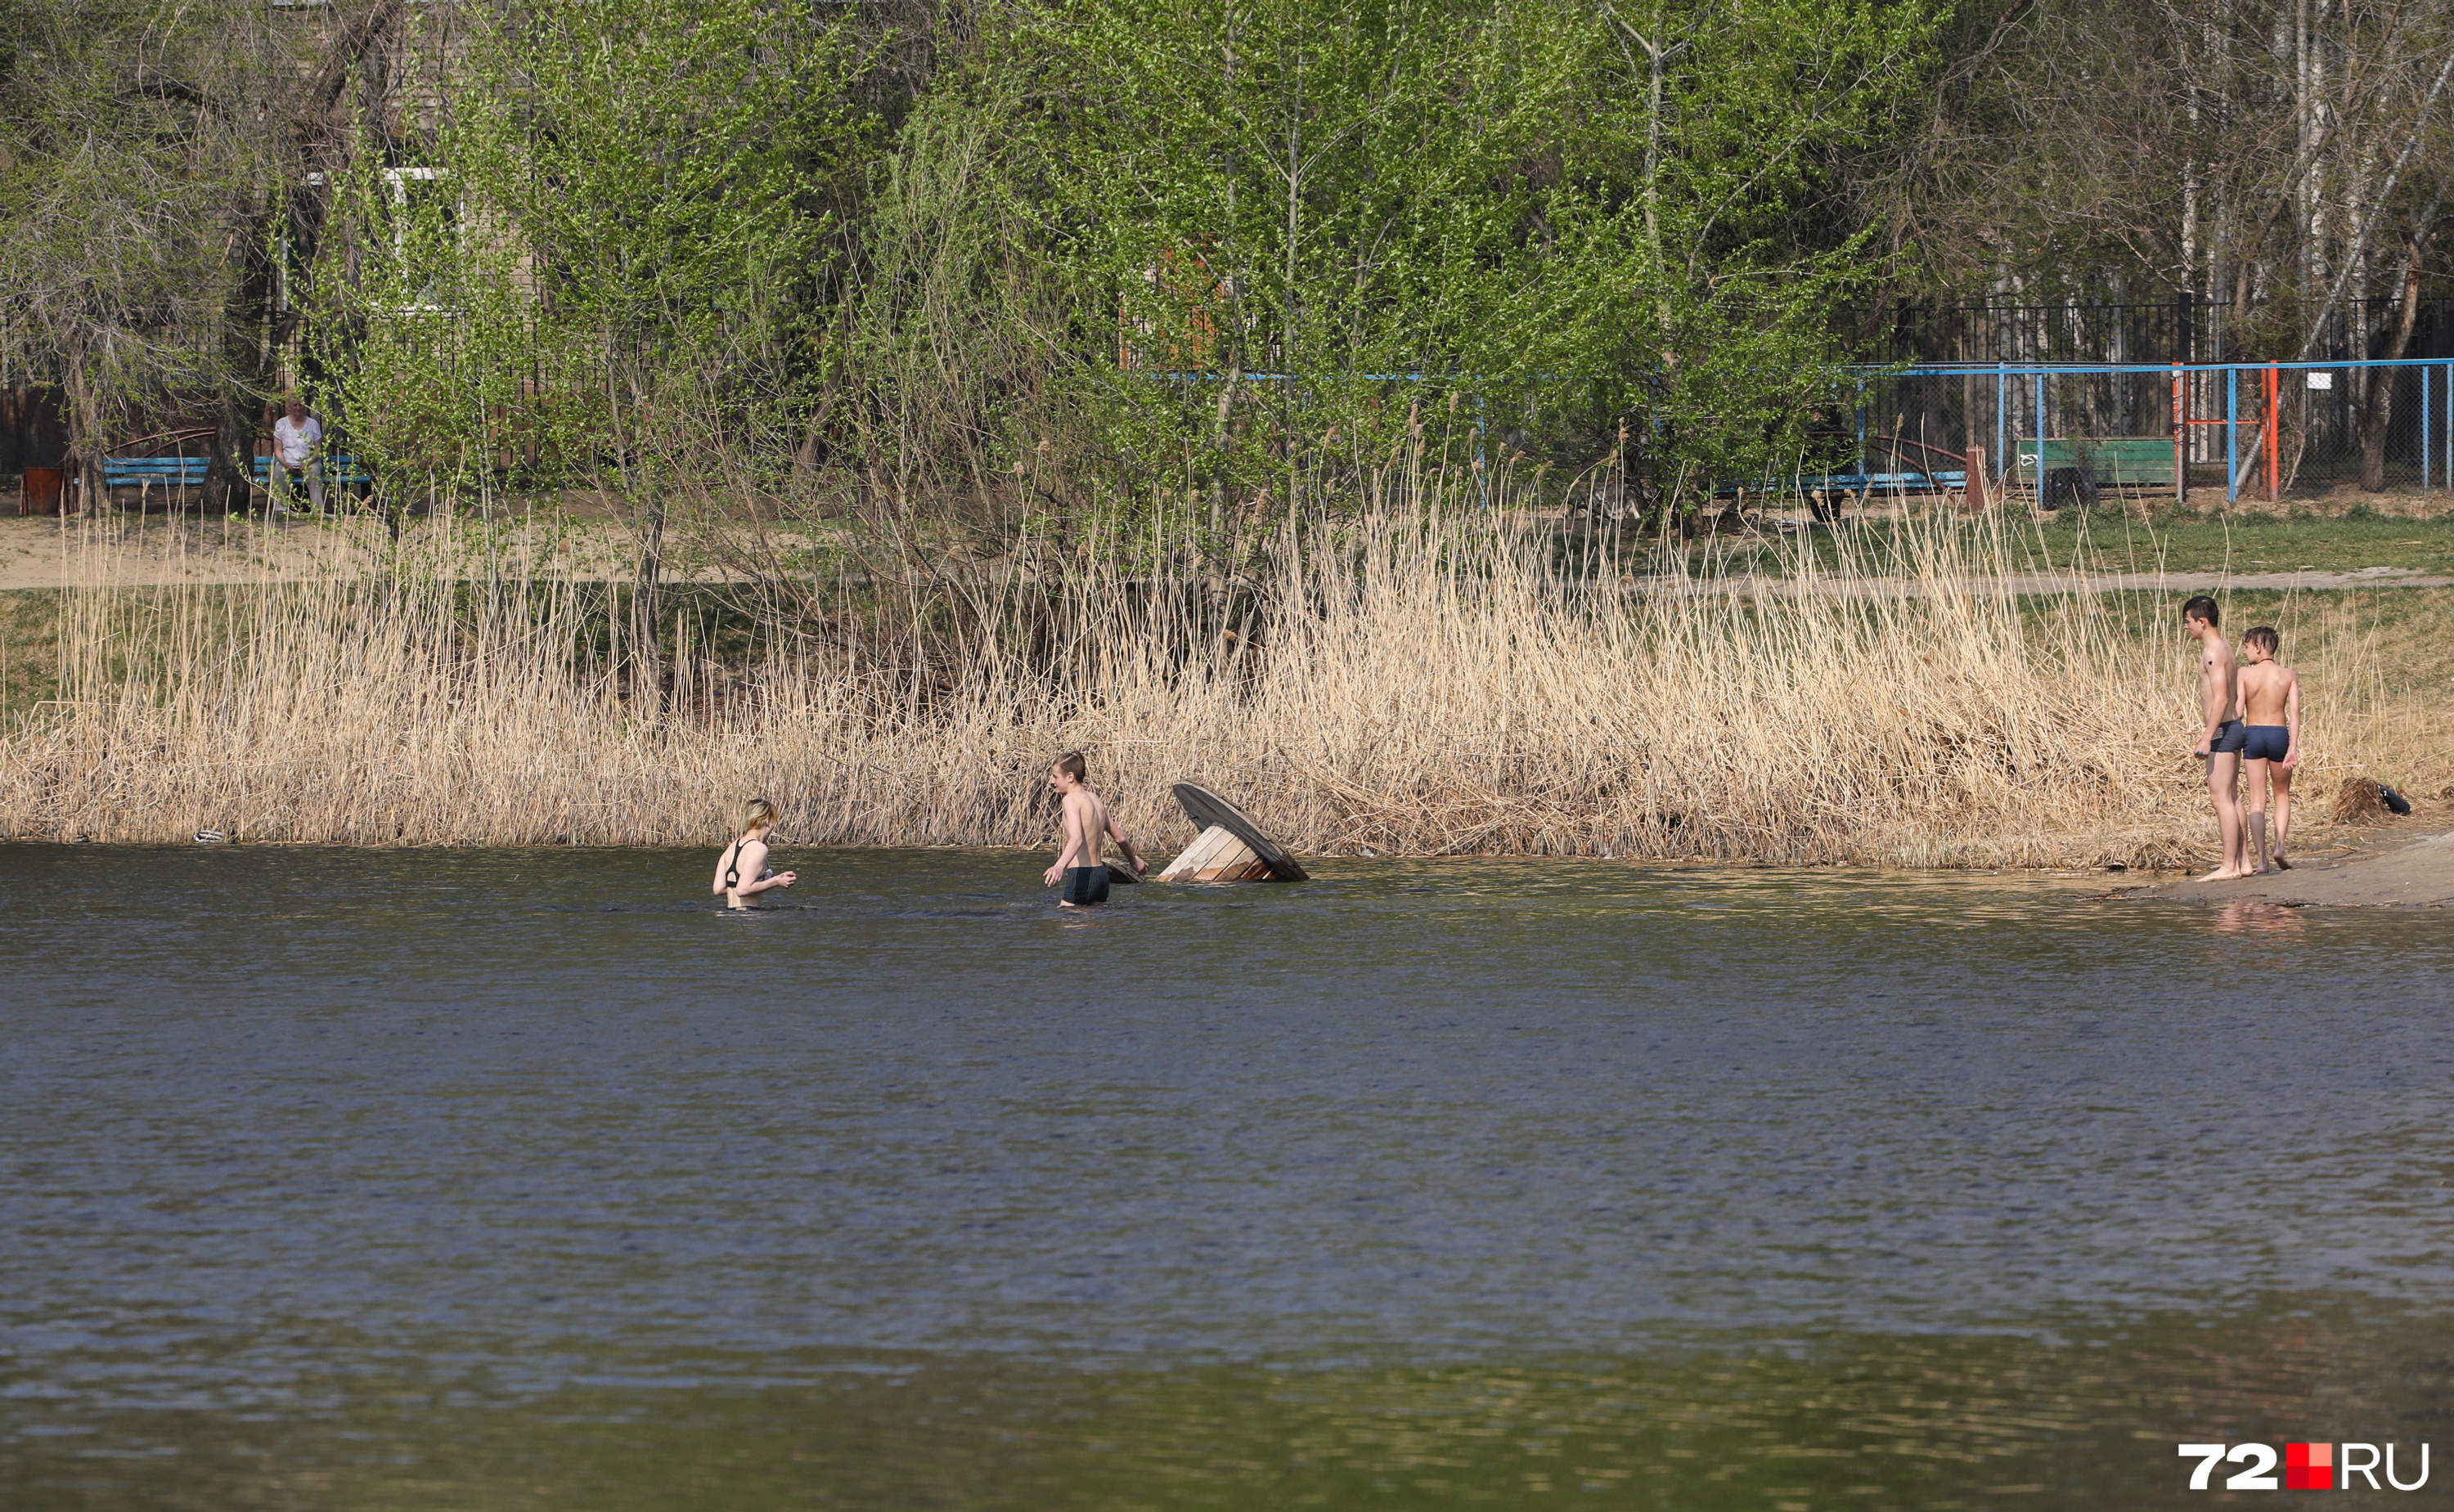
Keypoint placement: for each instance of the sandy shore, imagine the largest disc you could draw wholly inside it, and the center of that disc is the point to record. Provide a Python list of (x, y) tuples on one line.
[(2394, 868)]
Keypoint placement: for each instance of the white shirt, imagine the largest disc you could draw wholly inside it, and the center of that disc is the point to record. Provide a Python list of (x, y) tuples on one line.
[(295, 444)]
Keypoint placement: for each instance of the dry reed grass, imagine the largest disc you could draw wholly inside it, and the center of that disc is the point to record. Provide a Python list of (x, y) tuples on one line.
[(1411, 684)]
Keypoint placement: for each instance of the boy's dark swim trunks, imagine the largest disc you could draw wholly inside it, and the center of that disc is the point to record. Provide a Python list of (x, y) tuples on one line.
[(1085, 886), (2230, 736), (2267, 742)]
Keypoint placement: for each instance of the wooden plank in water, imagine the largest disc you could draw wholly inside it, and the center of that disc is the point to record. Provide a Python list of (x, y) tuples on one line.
[(1207, 810), (1216, 856), (1200, 861)]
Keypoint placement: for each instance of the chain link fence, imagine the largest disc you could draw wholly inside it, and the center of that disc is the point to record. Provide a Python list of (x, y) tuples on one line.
[(2064, 431)]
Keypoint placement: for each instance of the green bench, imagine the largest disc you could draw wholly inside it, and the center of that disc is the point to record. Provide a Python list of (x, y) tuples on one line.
[(2113, 461)]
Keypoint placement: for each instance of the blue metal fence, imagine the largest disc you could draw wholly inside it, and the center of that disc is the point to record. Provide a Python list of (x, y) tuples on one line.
[(2325, 422), (1931, 426)]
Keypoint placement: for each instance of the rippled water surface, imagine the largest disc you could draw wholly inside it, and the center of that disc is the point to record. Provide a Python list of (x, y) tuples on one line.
[(529, 1180)]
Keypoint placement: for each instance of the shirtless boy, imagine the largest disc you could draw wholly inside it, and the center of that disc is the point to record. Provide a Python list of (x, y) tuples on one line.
[(2270, 712), (2221, 740), (1087, 823)]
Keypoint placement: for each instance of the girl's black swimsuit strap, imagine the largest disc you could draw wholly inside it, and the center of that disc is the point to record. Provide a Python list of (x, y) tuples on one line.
[(733, 864)]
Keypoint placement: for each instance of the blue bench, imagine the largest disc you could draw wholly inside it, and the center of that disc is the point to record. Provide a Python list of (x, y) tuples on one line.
[(129, 473), (1854, 482), (189, 472), (1940, 478), (342, 469)]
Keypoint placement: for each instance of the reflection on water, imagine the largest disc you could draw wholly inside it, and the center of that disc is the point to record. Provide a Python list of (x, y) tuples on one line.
[(534, 1180), (2242, 916), (1847, 1422)]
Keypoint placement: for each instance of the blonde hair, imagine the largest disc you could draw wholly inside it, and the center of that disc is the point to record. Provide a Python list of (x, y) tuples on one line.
[(758, 811)]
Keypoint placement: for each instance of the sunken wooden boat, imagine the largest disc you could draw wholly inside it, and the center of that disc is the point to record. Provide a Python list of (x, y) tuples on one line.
[(1229, 847)]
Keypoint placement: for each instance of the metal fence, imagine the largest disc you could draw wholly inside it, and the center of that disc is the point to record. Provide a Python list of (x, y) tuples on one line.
[(2262, 430)]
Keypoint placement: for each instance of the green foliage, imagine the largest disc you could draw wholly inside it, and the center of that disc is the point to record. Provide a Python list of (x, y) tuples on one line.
[(957, 320), (1058, 249), (132, 154), (1514, 199), (608, 244)]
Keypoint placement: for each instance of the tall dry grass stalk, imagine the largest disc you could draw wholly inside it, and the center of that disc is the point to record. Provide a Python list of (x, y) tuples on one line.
[(1411, 683)]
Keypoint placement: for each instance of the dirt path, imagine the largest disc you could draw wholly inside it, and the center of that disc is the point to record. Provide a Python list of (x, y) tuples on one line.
[(2397, 868)]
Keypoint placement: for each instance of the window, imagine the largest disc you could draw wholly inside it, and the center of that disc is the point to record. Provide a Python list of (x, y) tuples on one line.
[(425, 229)]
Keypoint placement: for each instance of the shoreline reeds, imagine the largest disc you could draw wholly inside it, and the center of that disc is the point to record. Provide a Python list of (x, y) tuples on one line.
[(1406, 683)]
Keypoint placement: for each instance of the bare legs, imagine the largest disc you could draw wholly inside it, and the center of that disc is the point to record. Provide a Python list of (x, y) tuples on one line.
[(2223, 773), (2265, 837), (2280, 776), (2254, 816)]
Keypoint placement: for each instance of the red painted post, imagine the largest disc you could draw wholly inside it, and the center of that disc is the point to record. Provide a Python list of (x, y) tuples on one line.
[(2180, 436), (2274, 486)]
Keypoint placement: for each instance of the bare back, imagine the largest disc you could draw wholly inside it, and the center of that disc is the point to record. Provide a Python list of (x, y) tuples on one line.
[(2218, 682), (745, 860), (2266, 693), (1086, 823)]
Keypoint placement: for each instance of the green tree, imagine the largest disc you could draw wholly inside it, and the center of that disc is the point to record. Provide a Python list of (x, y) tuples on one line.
[(1601, 217), (146, 149), (1743, 120), (605, 254)]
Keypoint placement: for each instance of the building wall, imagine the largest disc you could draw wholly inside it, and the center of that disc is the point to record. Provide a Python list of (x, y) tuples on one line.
[(33, 433)]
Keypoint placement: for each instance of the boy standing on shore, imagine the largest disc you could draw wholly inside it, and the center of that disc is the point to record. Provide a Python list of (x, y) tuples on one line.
[(2270, 712), (1087, 823), (2222, 738)]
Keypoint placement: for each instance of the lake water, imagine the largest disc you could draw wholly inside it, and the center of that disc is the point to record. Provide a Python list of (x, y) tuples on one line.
[(529, 1179)]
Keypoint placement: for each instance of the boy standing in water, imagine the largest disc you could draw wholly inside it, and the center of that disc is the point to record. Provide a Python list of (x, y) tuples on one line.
[(1087, 823), (2270, 712), (2221, 740)]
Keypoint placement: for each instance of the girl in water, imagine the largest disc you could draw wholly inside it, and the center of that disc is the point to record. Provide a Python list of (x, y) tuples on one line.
[(743, 873)]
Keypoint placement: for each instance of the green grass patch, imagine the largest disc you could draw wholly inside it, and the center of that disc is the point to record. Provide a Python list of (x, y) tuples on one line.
[(29, 651), (2110, 541), (2250, 542), (2403, 638)]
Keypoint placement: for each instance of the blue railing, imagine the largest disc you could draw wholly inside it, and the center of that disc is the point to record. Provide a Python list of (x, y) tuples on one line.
[(2014, 442), (2019, 443)]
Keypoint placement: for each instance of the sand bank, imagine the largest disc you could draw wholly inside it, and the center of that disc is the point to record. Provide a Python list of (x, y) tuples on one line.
[(2396, 869)]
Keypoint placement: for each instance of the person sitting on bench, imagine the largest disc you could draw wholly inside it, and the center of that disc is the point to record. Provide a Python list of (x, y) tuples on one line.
[(296, 437)]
